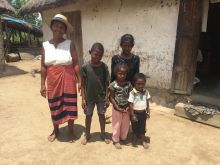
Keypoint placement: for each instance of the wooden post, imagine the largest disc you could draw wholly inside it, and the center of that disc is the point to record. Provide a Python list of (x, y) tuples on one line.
[(20, 36), (7, 46), (2, 57), (13, 36), (29, 38)]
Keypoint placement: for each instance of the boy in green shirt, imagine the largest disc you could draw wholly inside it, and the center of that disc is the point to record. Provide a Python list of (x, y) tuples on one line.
[(95, 82)]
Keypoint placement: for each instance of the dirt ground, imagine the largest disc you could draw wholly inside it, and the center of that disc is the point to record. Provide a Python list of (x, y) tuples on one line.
[(25, 125)]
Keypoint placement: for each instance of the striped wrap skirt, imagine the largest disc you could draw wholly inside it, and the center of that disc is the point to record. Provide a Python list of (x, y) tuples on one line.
[(62, 93)]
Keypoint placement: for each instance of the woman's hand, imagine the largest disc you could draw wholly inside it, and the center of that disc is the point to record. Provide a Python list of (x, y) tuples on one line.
[(43, 91)]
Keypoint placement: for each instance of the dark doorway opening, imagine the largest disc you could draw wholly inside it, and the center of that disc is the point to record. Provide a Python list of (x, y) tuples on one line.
[(207, 90), (74, 18)]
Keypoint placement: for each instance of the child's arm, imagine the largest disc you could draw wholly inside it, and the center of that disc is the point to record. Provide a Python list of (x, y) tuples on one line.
[(106, 94), (131, 106), (131, 109), (107, 82), (148, 109), (83, 92)]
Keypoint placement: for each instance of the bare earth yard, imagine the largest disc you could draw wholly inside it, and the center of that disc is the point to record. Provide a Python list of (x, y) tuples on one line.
[(25, 125)]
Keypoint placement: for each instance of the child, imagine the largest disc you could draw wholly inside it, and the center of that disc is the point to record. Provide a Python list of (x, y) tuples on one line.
[(139, 108), (132, 61), (119, 93), (95, 82)]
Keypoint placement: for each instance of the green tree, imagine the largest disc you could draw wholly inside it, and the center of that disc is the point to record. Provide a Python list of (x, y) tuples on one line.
[(32, 18)]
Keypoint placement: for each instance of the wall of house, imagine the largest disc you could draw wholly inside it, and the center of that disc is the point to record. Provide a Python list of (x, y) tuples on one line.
[(153, 23)]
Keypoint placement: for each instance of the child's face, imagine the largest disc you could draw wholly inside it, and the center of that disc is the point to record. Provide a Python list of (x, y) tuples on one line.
[(139, 84), (121, 74), (96, 56), (126, 48)]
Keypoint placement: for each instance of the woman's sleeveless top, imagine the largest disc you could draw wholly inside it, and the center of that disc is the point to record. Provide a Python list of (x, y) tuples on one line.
[(57, 56)]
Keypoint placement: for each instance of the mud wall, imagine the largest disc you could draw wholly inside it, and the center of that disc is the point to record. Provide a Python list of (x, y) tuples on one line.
[(153, 23)]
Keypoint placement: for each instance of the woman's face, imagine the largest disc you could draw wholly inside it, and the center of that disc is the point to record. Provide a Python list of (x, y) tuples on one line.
[(58, 28)]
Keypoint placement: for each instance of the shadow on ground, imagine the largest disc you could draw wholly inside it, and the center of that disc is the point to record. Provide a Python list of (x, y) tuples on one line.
[(78, 131), (12, 71)]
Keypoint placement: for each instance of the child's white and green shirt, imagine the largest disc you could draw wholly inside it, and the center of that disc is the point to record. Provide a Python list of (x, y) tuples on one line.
[(139, 99)]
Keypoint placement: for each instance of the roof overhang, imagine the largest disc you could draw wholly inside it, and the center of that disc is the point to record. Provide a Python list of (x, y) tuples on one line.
[(33, 6)]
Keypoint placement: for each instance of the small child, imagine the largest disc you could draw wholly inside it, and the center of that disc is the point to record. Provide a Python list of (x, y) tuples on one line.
[(119, 93), (127, 57), (132, 61), (95, 82), (139, 108)]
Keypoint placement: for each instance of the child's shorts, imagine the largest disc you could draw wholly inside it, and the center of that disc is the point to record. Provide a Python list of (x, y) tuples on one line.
[(139, 127), (91, 105)]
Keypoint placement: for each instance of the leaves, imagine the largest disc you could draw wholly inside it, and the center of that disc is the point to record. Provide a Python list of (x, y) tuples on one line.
[(31, 18)]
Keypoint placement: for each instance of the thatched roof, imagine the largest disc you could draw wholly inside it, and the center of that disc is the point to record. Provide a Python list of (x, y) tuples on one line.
[(39, 5), (5, 6)]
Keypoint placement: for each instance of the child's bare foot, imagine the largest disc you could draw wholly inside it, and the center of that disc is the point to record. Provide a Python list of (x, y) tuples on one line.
[(126, 142), (52, 136), (85, 139), (117, 145), (106, 140), (145, 145)]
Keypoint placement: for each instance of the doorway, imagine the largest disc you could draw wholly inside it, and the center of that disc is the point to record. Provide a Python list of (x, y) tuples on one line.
[(207, 84), (74, 18)]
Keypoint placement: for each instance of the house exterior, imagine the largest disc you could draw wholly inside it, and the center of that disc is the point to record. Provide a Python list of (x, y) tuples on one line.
[(154, 24)]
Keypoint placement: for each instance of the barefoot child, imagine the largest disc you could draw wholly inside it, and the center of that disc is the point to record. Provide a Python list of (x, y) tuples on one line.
[(119, 93), (139, 108), (132, 61), (95, 82), (127, 57)]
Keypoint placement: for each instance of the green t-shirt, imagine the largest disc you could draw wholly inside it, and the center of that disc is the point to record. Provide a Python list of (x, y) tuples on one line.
[(96, 78), (121, 93)]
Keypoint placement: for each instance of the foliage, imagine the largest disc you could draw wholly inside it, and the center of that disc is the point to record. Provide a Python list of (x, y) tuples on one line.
[(31, 18)]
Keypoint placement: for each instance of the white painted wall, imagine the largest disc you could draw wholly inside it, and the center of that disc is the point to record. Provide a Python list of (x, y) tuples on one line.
[(153, 23)]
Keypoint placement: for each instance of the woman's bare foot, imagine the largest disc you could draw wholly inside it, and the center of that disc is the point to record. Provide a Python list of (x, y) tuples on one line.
[(52, 136)]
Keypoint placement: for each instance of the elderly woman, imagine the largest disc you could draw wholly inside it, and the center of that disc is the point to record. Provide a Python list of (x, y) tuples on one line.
[(60, 71)]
